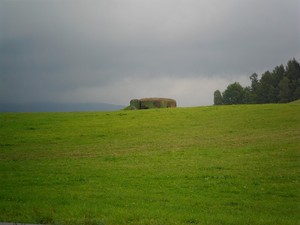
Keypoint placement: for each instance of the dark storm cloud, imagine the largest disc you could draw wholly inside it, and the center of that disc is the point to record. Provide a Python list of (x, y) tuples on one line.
[(94, 50)]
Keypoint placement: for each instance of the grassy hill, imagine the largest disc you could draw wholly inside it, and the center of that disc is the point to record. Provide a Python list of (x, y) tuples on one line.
[(204, 165), (296, 102)]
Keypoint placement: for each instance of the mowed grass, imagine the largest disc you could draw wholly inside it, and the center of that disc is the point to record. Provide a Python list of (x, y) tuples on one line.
[(203, 165)]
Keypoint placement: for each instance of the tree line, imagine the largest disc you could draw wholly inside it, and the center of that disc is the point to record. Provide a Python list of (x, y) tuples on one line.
[(279, 86)]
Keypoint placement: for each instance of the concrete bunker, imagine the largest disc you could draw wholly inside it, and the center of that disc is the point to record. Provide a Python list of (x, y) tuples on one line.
[(151, 103)]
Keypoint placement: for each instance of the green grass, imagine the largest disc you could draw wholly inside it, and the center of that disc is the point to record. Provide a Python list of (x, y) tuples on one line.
[(296, 102), (206, 165)]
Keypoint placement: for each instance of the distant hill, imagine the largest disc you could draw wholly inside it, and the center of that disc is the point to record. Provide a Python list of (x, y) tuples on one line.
[(57, 107)]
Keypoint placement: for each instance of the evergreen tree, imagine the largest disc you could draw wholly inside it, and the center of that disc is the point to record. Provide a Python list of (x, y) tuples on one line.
[(249, 97), (266, 89), (218, 99), (297, 92), (284, 90), (278, 74), (254, 82), (254, 87), (293, 74)]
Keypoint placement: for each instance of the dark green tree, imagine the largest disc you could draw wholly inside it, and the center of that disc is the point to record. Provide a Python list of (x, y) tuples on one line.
[(254, 82), (293, 74), (278, 74), (218, 99), (234, 94), (254, 87), (266, 91), (249, 96), (284, 90), (293, 70), (297, 92)]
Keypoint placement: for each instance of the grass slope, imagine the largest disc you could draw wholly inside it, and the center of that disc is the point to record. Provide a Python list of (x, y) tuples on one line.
[(296, 102), (206, 165)]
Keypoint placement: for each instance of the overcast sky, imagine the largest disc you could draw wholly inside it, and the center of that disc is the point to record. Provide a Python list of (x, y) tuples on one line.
[(114, 50)]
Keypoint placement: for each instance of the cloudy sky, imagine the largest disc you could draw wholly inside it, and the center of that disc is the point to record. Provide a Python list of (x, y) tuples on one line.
[(114, 50)]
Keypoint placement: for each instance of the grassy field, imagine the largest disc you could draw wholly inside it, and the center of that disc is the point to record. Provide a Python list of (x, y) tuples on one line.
[(205, 165)]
